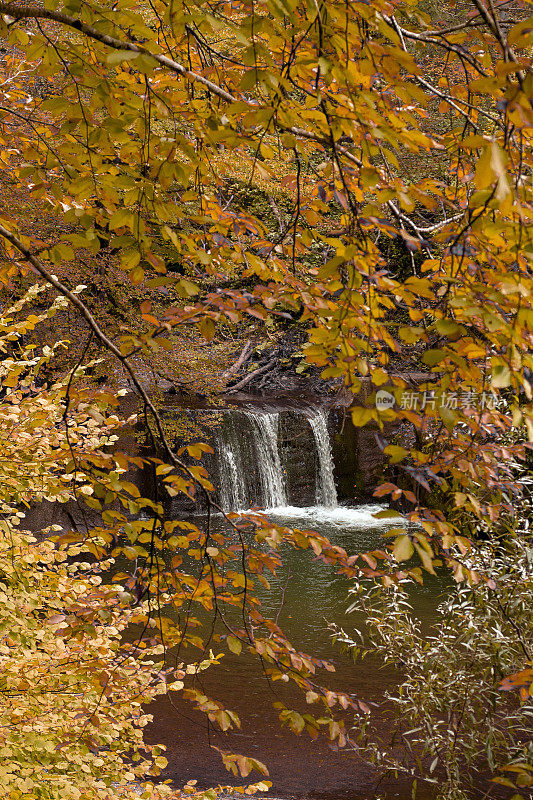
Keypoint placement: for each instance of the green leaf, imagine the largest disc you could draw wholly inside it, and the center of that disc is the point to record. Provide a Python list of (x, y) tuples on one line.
[(207, 328), (386, 513), (187, 288), (501, 376), (396, 453), (446, 327), (129, 259), (433, 357), (411, 335)]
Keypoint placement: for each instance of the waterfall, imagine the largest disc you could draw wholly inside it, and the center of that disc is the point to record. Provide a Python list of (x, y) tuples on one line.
[(268, 459), (251, 468), (231, 458), (232, 488), (326, 493)]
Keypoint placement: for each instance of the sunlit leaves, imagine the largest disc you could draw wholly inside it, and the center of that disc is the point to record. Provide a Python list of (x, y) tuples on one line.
[(387, 220), (403, 548)]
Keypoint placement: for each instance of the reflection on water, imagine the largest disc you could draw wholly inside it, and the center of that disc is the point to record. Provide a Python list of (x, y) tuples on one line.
[(305, 595)]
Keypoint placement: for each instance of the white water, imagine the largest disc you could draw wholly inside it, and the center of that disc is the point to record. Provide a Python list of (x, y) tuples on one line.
[(231, 465), (361, 517), (249, 456), (232, 487), (326, 493), (271, 475)]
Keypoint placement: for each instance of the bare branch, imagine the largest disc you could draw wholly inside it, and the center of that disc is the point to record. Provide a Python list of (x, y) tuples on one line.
[(245, 353), (451, 101), (245, 381)]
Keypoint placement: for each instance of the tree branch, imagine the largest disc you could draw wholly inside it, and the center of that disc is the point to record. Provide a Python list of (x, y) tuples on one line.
[(447, 98), (38, 265), (248, 378), (245, 353), (32, 12)]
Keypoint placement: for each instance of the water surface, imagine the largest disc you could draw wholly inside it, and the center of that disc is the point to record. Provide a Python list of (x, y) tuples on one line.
[(305, 595)]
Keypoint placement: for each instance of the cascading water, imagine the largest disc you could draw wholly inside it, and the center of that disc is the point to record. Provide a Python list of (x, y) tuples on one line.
[(271, 475), (232, 457), (326, 493), (251, 467), (232, 489)]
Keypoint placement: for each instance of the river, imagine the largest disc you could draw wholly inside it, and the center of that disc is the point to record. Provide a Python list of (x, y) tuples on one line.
[(256, 466)]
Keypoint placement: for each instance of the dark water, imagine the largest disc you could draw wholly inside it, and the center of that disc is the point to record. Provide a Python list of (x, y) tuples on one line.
[(287, 455), (305, 595)]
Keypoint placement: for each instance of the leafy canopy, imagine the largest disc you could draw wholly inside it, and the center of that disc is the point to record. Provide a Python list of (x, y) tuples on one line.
[(367, 126)]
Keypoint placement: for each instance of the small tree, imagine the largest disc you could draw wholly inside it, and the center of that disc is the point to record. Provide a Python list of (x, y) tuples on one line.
[(80, 658), (71, 688), (453, 725)]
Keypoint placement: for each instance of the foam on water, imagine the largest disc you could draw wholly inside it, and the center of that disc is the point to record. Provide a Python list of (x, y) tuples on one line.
[(345, 517)]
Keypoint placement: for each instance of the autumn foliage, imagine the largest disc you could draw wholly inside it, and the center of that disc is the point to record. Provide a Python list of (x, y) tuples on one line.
[(366, 126)]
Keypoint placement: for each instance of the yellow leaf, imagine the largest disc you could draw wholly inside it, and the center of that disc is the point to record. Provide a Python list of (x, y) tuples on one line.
[(234, 644), (403, 548)]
